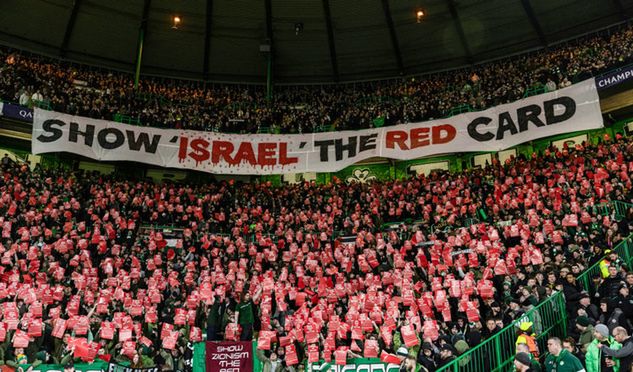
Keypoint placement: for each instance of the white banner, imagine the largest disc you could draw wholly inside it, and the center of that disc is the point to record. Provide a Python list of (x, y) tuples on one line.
[(571, 109)]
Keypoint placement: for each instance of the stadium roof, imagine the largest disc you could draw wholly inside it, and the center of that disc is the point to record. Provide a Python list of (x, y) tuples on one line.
[(341, 39)]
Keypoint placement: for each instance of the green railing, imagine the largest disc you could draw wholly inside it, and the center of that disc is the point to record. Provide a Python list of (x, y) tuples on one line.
[(459, 110), (621, 208), (536, 90), (585, 278), (44, 105), (602, 209), (263, 130), (468, 222), (496, 354), (549, 317), (624, 252), (126, 119)]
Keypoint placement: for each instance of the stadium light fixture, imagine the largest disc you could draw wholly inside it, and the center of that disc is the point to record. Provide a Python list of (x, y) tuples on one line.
[(298, 28), (176, 22), (419, 15)]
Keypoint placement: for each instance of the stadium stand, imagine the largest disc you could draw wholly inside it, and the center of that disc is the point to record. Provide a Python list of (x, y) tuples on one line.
[(476, 270), (81, 90), (85, 264)]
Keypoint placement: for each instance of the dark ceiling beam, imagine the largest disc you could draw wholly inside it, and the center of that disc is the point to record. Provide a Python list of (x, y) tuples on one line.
[(207, 39), (452, 7), (536, 25), (69, 27), (620, 9), (394, 36), (330, 38)]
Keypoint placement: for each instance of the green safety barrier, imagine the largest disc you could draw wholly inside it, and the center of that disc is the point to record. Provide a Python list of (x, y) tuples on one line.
[(623, 250), (585, 278), (533, 91), (496, 354), (125, 119), (621, 208), (45, 105), (468, 222), (459, 110), (602, 209), (263, 130)]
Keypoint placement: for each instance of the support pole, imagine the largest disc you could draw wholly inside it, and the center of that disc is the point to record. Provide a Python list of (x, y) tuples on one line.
[(139, 57), (141, 40), (269, 77), (269, 37)]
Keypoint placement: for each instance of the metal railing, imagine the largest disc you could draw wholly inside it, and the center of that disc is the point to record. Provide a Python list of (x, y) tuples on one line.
[(496, 353), (535, 90), (126, 119), (460, 109), (602, 209), (549, 317), (623, 249), (621, 208), (624, 252)]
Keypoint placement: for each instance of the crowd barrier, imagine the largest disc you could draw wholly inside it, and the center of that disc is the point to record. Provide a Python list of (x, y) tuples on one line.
[(496, 353), (623, 249)]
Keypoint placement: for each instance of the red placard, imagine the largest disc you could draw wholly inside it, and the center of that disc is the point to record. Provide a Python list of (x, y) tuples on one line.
[(107, 331), (229, 356), (371, 349), (409, 336), (59, 328), (195, 335), (21, 339)]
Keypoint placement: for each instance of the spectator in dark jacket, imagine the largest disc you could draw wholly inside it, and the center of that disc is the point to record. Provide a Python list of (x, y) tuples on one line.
[(586, 308), (617, 319), (625, 301), (426, 357), (447, 355), (523, 363), (490, 329), (572, 291), (610, 287), (585, 332), (625, 354)]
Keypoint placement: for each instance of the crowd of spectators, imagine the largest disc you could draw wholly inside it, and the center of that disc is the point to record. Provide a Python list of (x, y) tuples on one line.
[(82, 277), (168, 103)]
